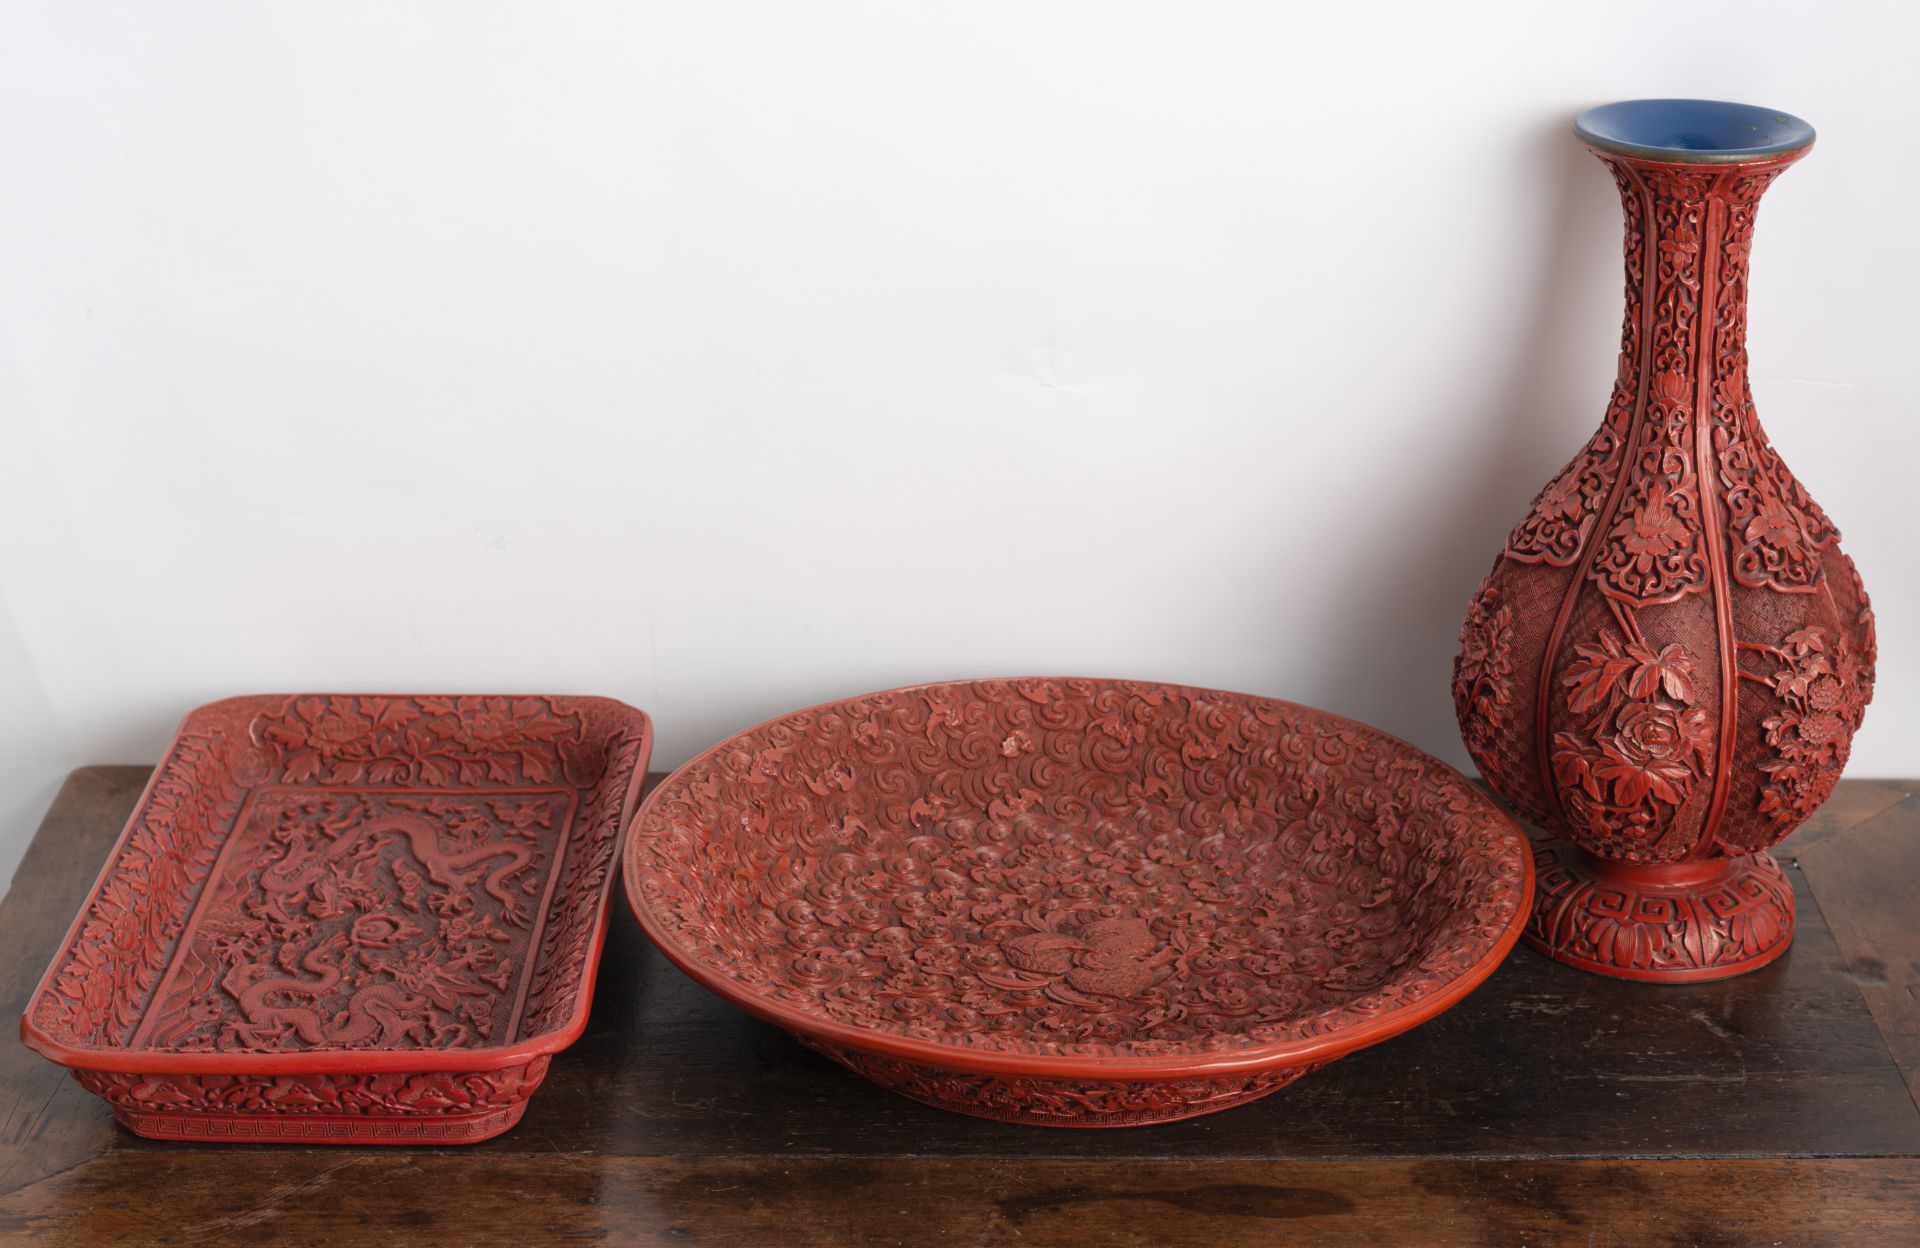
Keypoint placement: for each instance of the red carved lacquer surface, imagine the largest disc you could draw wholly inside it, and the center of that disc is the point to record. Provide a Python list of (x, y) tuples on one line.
[(1639, 671), (1638, 744), (1047, 1102), (359, 909), (449, 1107), (1050, 878), (405, 924), (1556, 527), (1639, 929)]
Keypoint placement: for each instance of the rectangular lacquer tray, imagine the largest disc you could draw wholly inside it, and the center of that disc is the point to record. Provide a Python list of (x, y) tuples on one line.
[(353, 919)]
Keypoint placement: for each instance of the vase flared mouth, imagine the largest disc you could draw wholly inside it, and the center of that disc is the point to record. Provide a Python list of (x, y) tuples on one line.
[(1693, 132)]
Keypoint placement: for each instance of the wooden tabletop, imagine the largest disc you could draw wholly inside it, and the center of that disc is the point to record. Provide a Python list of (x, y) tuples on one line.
[(1551, 1106)]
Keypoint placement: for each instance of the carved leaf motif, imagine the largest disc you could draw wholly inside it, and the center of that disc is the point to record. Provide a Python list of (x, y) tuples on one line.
[(1823, 690), (1573, 767), (1632, 760), (1670, 670), (1593, 678), (1634, 781)]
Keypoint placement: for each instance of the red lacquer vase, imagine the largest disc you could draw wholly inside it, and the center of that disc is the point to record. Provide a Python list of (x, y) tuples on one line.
[(1669, 659)]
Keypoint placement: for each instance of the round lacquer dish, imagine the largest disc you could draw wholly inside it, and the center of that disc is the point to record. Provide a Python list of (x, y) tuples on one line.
[(1081, 903)]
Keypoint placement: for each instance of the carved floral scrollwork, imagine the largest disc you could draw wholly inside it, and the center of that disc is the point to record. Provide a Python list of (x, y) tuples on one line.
[(435, 1093), (133, 924), (1775, 529), (1485, 697), (1823, 692), (1072, 869), (578, 910), (444, 1107), (1655, 550), (1064, 1102), (1075, 867), (1866, 633), (1483, 670), (1640, 744), (1778, 532), (1563, 514), (468, 741)]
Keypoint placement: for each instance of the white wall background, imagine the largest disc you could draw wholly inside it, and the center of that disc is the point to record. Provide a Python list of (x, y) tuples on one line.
[(727, 357)]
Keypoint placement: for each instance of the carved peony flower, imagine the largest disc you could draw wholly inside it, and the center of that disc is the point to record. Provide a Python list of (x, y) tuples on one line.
[(1653, 733), (1825, 694), (1561, 499), (1773, 524), (1677, 252), (489, 727), (336, 729), (1653, 751), (1822, 728), (1651, 532)]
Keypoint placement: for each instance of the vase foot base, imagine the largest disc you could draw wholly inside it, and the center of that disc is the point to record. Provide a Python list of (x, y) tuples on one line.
[(1677, 923)]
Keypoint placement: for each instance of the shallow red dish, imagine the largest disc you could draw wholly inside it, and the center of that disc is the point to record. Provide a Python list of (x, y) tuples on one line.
[(348, 919), (1078, 902)]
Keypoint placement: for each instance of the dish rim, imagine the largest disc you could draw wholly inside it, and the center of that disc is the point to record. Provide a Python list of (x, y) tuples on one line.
[(348, 1062), (932, 1053)]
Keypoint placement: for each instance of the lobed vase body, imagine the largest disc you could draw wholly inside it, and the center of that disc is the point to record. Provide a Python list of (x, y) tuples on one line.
[(1669, 659)]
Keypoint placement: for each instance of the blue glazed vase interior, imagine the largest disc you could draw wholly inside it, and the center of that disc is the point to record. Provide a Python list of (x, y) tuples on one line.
[(1692, 131)]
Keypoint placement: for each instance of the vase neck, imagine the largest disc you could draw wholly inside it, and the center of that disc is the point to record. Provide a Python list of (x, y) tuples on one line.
[(1689, 232)]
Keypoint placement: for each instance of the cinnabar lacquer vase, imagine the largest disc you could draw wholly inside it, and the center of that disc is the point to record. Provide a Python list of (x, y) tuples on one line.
[(1669, 659)]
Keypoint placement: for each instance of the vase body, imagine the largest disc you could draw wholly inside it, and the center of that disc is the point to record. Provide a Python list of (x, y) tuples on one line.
[(1669, 659)]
